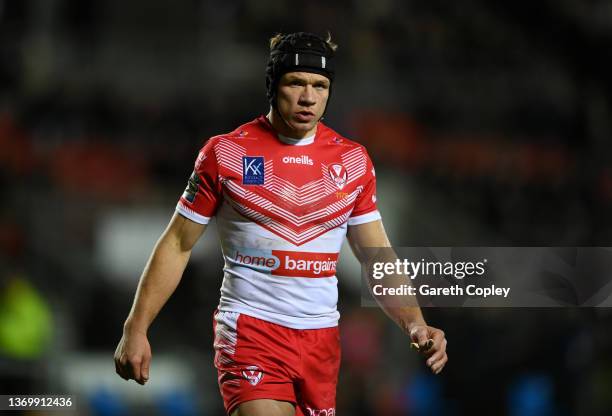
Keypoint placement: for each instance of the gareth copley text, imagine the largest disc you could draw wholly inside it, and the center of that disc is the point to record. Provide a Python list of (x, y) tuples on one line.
[(456, 290)]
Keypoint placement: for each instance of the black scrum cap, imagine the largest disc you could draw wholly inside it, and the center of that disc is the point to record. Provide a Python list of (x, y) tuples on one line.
[(298, 52)]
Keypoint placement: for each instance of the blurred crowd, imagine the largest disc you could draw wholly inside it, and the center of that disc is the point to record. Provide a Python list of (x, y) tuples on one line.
[(489, 124)]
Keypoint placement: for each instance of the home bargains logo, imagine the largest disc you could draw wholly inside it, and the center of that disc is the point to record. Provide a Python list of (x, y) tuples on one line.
[(287, 263)]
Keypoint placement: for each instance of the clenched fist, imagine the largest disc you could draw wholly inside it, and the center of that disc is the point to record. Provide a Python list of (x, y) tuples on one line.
[(133, 357)]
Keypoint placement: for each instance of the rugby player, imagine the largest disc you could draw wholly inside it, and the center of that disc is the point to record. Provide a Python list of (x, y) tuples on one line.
[(285, 189)]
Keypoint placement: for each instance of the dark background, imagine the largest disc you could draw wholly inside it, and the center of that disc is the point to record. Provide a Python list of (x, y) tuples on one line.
[(488, 122)]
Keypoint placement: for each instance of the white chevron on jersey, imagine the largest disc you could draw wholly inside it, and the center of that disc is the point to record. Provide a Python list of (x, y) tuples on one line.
[(294, 237), (302, 195), (297, 220)]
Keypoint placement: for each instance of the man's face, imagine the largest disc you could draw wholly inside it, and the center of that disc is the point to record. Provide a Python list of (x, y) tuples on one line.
[(301, 101)]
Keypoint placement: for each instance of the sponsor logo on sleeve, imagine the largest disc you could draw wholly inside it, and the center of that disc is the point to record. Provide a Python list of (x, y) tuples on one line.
[(192, 187), (252, 170)]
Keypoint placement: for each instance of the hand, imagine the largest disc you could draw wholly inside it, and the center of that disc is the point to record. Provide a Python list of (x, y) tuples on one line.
[(133, 357), (432, 344)]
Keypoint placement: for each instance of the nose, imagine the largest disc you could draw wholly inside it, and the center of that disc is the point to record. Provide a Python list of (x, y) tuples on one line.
[(307, 96)]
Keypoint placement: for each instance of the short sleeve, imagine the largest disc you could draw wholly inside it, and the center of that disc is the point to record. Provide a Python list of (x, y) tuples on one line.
[(365, 205), (202, 196)]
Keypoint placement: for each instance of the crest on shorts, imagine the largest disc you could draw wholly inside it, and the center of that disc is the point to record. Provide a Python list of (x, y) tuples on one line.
[(252, 374), (338, 175)]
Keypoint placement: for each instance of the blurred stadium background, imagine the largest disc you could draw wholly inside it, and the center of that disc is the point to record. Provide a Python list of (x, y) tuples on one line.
[(489, 124)]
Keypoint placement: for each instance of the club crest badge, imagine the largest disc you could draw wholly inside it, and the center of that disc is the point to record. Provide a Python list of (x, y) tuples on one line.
[(338, 175), (252, 374)]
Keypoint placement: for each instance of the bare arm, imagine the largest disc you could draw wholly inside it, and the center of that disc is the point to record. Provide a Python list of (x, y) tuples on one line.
[(163, 271), (372, 234), (159, 279), (409, 318)]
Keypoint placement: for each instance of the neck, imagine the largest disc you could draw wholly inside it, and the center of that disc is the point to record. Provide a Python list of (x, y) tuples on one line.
[(283, 127)]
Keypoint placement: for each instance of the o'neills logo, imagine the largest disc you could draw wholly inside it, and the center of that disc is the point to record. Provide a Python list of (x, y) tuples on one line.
[(299, 160), (288, 263)]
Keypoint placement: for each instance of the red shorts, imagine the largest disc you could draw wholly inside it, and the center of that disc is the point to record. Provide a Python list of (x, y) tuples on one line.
[(257, 359)]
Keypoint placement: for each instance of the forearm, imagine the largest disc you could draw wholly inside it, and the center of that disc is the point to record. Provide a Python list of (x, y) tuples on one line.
[(370, 244), (405, 317), (403, 310), (159, 279)]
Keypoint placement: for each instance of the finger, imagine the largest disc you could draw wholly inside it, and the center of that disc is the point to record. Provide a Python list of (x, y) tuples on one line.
[(419, 335), (119, 370), (436, 352), (436, 341), (135, 365), (437, 336), (122, 368), (431, 361), (438, 361), (439, 365), (439, 370), (126, 368), (415, 346), (144, 369)]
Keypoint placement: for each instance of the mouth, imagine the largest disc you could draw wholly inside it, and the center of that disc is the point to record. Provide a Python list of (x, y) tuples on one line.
[(305, 116)]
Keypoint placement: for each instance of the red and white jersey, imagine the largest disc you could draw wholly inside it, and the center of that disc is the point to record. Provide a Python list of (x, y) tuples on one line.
[(282, 208)]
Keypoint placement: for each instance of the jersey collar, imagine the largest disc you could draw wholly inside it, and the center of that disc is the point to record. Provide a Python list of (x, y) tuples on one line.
[(296, 142), (289, 140)]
